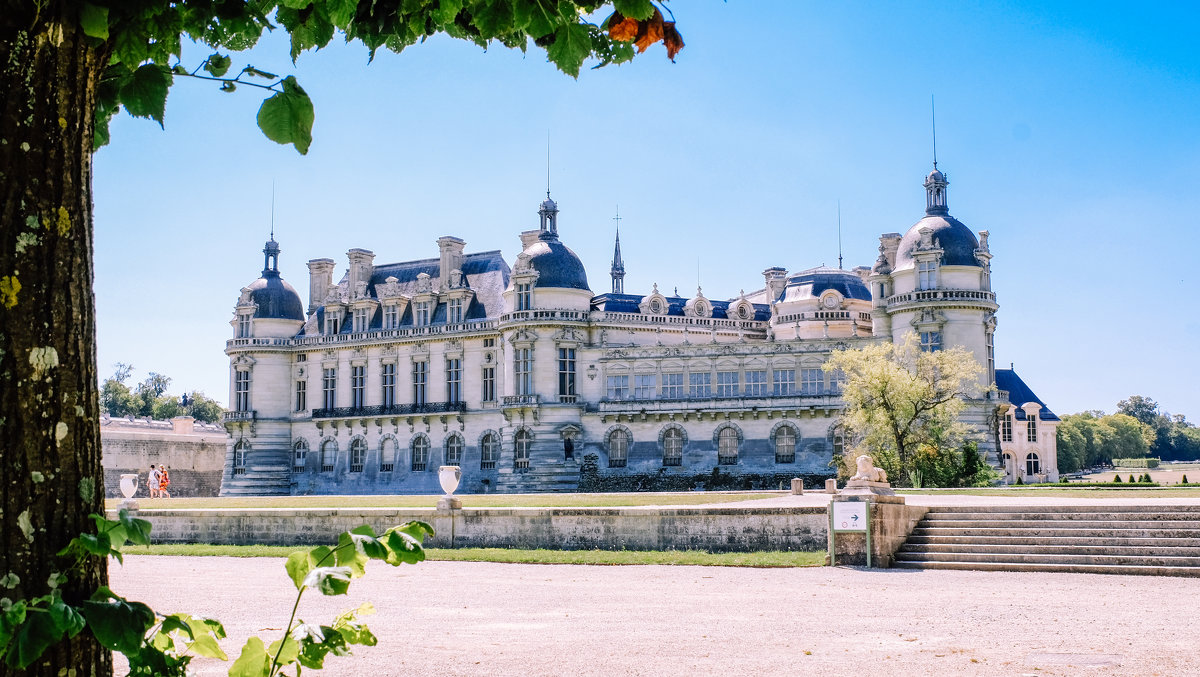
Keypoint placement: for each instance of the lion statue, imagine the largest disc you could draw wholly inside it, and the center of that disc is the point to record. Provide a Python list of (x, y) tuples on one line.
[(867, 470)]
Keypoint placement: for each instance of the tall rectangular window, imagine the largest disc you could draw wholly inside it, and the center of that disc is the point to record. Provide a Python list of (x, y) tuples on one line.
[(643, 386), (700, 384), (618, 387), (812, 381), (421, 313), (241, 391), (1031, 427), (756, 383), (391, 316), (672, 386), (358, 386), (1006, 427), (454, 311), (329, 387), (837, 380), (931, 341), (727, 384), (243, 325), (991, 357), (454, 379), (566, 371), (420, 378), (524, 297), (333, 324), (301, 395), (926, 275), (489, 385), (388, 377), (783, 382), (360, 320), (523, 370)]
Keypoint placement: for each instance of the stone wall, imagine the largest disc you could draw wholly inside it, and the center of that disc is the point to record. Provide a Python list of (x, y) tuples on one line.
[(193, 452), (630, 528)]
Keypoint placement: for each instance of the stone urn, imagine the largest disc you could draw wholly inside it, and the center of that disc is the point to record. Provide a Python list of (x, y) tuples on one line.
[(129, 482), (448, 477)]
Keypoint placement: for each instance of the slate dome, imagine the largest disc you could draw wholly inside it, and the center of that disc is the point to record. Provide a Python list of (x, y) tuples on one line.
[(957, 242), (276, 299), (811, 283), (557, 265)]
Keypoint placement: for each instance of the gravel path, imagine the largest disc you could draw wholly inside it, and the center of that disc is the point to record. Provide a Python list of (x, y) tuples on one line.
[(465, 618)]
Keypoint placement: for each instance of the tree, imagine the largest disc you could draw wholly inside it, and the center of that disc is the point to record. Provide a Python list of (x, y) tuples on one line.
[(66, 67), (204, 408), (1143, 409), (900, 399)]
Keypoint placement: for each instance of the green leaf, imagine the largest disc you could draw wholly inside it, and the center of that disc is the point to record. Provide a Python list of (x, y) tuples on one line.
[(253, 662), (117, 623), (312, 652), (349, 554), (341, 12), (636, 9), (366, 542), (228, 87), (252, 71), (10, 620), (329, 580), (94, 20), (206, 645), (217, 65), (144, 95), (137, 531), (572, 45), (446, 11), (66, 618), (287, 117), (296, 4), (298, 565), (31, 639), (289, 653)]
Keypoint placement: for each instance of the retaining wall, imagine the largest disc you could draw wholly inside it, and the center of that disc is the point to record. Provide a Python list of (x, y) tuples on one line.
[(194, 454), (631, 528)]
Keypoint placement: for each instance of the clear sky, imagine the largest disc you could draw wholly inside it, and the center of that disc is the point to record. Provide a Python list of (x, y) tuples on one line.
[(1071, 132)]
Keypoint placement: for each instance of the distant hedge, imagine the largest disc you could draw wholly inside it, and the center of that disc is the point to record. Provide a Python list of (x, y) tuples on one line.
[(1135, 462)]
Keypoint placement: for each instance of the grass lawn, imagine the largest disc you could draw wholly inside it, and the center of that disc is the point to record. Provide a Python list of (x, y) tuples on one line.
[(468, 500), (1066, 492), (605, 557)]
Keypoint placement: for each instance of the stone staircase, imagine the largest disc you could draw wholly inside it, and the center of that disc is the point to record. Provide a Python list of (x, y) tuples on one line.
[(559, 477), (1127, 539)]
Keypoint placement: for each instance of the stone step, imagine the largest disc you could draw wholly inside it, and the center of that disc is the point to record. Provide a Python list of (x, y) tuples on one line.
[(1018, 523), (1174, 550), (1059, 531), (1041, 540), (1059, 568), (1063, 509), (1027, 558), (1105, 515)]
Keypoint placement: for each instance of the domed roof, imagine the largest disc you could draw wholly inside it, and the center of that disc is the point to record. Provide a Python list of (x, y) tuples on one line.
[(556, 264), (957, 242), (811, 283), (275, 298), (936, 175)]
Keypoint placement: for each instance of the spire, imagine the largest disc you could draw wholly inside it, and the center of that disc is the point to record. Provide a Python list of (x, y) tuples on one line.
[(933, 121), (548, 210), (936, 181), (618, 266), (271, 248), (839, 234)]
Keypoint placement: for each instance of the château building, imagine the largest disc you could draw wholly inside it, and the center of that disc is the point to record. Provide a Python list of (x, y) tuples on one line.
[(518, 373)]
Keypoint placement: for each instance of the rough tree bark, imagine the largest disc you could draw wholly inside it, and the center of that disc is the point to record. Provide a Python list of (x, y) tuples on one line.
[(49, 436)]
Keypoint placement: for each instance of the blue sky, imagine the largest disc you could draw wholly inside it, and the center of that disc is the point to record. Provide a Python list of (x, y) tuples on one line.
[(1069, 132)]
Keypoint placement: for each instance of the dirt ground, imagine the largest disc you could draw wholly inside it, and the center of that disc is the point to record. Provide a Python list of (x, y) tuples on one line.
[(466, 618)]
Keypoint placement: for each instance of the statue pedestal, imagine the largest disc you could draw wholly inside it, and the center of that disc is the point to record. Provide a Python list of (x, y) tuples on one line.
[(867, 488), (448, 503), (890, 524)]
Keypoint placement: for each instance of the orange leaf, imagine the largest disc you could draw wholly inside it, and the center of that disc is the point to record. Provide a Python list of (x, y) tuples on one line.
[(622, 28), (671, 39), (650, 31)]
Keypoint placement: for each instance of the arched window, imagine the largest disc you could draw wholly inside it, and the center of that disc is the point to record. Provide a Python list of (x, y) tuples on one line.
[(300, 456), (239, 457), (727, 446), (785, 444), (420, 453), (387, 454), (673, 446), (454, 450), (521, 442), (618, 448), (489, 448), (328, 455), (358, 454), (1033, 465)]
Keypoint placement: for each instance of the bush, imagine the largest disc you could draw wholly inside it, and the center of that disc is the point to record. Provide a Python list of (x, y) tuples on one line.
[(1184, 481), (1135, 462), (1131, 480), (1019, 480), (1117, 479), (592, 480)]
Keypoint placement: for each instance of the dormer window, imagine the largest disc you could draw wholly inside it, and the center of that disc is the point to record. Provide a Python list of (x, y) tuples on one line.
[(391, 316), (421, 313), (926, 275), (454, 311), (524, 296), (243, 325), (333, 324), (360, 320), (1031, 423)]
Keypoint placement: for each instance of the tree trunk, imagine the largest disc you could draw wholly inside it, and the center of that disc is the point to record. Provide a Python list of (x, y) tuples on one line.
[(49, 415)]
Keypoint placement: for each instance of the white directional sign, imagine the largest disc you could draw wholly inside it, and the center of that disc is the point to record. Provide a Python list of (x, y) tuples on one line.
[(850, 516)]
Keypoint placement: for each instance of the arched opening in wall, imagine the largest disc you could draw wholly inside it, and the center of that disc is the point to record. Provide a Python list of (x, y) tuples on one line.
[(489, 450), (239, 457), (454, 450), (420, 453), (387, 454), (785, 444), (618, 448), (328, 455), (672, 447), (1033, 464), (300, 456), (521, 444), (358, 454), (727, 446)]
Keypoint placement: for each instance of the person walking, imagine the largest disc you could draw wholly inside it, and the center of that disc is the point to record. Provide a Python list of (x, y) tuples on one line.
[(154, 481), (164, 480)]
